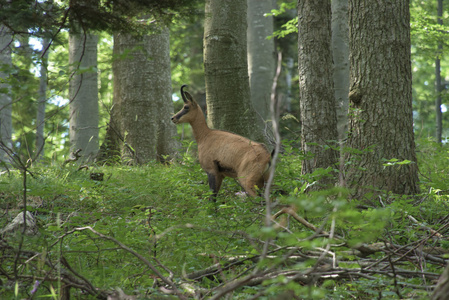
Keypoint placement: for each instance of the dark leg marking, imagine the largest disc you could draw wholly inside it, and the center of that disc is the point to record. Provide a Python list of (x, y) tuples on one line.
[(212, 185)]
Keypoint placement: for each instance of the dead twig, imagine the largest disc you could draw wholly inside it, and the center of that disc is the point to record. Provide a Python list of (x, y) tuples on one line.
[(140, 257), (74, 156)]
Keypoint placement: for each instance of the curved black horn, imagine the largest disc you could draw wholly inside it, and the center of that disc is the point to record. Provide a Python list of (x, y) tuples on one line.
[(182, 93)]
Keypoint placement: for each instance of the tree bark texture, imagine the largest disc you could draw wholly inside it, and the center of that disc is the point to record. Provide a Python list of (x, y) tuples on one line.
[(142, 97), (380, 98), (5, 97), (441, 290), (83, 94), (261, 55), (317, 101), (226, 69), (340, 51)]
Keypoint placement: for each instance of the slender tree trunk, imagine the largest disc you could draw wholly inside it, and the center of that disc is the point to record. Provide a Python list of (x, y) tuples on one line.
[(26, 53), (317, 101), (42, 101), (83, 93), (226, 69), (5, 97), (438, 85), (381, 121), (340, 51), (140, 118), (261, 58)]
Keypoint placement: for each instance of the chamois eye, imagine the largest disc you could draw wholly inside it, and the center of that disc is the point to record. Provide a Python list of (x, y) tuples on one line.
[(186, 107)]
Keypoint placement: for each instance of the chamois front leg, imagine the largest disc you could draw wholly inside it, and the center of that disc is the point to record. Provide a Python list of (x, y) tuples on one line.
[(214, 184)]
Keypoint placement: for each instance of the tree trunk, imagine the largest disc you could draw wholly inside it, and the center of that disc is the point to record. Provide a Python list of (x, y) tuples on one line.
[(261, 58), (380, 119), (42, 101), (83, 94), (438, 85), (142, 98), (317, 101), (441, 290), (340, 51), (5, 97), (226, 69)]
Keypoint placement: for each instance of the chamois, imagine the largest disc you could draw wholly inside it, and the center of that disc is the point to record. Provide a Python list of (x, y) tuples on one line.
[(224, 154)]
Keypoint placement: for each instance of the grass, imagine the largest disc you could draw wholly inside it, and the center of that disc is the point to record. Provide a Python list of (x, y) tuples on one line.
[(163, 212)]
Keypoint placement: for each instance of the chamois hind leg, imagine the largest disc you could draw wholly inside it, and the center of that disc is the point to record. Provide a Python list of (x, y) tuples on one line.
[(249, 184), (263, 179), (214, 184)]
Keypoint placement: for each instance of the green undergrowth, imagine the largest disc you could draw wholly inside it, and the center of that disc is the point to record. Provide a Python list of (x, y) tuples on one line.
[(163, 212)]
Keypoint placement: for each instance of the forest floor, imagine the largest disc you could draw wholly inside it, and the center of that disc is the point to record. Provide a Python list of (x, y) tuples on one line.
[(151, 231)]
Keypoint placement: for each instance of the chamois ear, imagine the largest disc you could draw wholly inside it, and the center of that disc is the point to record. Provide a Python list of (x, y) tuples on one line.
[(189, 97), (186, 97)]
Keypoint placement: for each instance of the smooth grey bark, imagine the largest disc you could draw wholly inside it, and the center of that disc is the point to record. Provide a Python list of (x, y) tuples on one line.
[(228, 95), (42, 101), (261, 55), (380, 99), (83, 95), (316, 93), (142, 97), (340, 53), (5, 97)]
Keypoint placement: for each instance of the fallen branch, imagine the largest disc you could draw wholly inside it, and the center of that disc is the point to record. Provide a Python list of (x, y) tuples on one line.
[(290, 211), (140, 257), (68, 275), (434, 232), (73, 156)]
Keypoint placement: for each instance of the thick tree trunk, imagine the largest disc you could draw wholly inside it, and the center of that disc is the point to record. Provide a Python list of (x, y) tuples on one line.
[(5, 97), (42, 101), (317, 101), (261, 58), (380, 119), (83, 94), (140, 118), (226, 69)]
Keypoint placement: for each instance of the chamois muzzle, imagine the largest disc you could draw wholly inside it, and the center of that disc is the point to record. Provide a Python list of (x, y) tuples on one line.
[(176, 118)]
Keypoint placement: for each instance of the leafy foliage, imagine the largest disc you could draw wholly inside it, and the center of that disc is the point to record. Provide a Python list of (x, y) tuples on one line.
[(48, 18), (426, 36)]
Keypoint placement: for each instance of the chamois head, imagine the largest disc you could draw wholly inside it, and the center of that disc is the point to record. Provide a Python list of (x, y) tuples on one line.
[(189, 111)]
